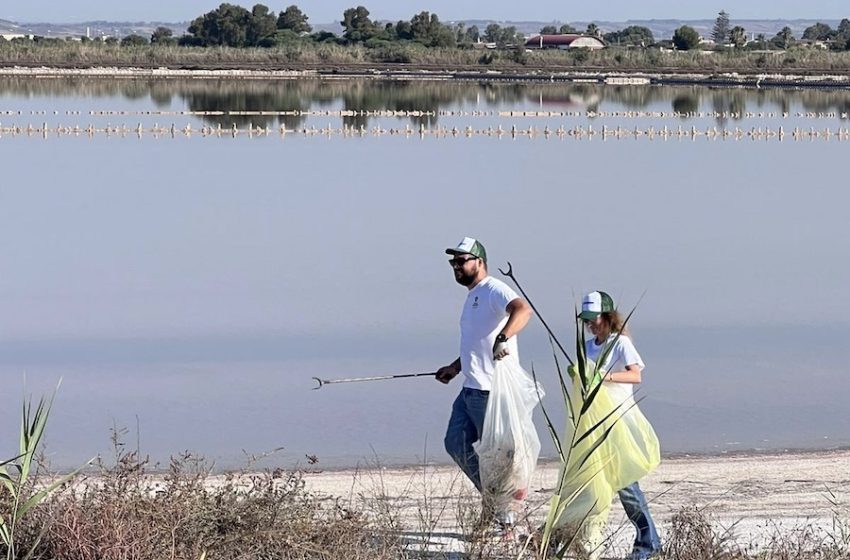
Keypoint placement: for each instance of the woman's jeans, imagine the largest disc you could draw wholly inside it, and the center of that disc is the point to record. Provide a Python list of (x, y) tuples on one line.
[(465, 427), (647, 542)]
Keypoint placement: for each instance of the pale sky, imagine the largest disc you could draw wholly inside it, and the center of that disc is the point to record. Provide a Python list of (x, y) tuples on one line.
[(328, 11)]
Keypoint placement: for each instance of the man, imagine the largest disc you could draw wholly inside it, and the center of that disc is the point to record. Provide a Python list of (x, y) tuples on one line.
[(492, 316)]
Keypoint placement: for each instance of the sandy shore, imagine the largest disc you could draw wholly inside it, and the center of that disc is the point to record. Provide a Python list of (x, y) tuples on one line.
[(755, 496)]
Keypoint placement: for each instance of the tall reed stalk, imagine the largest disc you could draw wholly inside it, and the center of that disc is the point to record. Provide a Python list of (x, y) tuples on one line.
[(25, 495)]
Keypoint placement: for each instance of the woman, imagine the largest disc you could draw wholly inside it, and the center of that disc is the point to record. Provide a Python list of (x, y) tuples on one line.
[(622, 366)]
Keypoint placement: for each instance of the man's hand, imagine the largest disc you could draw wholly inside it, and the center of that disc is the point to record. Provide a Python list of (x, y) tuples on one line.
[(447, 373), (500, 347)]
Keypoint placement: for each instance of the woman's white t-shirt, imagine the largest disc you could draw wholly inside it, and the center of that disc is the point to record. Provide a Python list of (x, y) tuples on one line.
[(622, 354)]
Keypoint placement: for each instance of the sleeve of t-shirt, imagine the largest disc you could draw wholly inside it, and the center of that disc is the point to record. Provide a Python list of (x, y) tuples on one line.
[(629, 353), (501, 296)]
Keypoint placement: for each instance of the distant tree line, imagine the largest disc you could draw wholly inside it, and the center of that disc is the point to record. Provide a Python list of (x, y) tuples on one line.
[(235, 26), (725, 35)]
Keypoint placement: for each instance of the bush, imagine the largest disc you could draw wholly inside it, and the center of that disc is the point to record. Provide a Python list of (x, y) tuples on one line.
[(188, 514), (692, 536), (653, 57), (324, 37), (686, 38), (579, 56), (133, 41), (396, 54), (190, 41), (487, 58), (293, 53), (282, 38), (520, 56)]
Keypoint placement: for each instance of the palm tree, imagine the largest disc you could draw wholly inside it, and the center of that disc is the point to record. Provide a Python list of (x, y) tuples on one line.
[(738, 36), (592, 30)]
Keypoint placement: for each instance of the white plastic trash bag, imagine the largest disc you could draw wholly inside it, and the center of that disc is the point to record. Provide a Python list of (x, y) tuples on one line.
[(509, 446)]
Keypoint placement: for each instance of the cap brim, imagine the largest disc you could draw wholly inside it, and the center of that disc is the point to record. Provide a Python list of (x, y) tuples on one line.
[(588, 315), (451, 251)]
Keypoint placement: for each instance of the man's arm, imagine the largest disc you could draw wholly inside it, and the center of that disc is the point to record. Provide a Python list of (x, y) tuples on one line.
[(519, 313), (449, 372)]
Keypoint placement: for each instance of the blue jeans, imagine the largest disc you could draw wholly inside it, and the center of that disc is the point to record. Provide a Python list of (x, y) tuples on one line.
[(647, 542), (465, 427)]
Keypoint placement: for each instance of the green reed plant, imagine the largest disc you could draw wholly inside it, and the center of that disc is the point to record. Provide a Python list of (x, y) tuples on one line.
[(19, 485)]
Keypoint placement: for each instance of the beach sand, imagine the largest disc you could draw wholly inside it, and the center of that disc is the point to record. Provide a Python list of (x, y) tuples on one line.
[(752, 496)]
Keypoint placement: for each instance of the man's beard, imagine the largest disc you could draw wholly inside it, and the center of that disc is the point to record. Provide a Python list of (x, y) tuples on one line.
[(464, 279)]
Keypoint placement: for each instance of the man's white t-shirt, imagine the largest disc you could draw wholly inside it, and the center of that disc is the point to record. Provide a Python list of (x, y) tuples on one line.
[(622, 354), (484, 316)]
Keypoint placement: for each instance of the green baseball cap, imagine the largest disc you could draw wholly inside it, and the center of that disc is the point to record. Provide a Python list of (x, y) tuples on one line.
[(594, 304), (469, 246)]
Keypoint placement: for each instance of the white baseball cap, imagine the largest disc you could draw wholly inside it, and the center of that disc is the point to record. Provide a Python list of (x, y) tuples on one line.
[(469, 246), (594, 304)]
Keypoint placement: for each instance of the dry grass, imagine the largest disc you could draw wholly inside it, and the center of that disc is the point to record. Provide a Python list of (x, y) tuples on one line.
[(122, 512), (694, 535)]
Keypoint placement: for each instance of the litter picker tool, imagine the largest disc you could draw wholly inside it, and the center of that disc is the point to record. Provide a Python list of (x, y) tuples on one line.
[(323, 382)]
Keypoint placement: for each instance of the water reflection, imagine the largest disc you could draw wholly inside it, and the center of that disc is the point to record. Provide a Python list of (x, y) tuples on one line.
[(426, 96)]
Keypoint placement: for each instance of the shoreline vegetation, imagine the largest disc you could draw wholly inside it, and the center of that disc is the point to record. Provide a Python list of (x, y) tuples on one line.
[(234, 41), (266, 65), (736, 508)]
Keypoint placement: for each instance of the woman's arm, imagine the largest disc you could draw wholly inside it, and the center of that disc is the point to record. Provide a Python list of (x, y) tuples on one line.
[(630, 375)]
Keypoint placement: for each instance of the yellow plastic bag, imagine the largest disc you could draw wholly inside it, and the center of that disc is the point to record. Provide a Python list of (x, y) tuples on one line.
[(613, 445)]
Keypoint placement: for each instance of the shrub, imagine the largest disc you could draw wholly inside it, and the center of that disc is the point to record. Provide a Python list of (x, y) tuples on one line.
[(686, 38), (579, 56), (133, 41), (692, 537), (187, 513), (520, 56), (486, 58)]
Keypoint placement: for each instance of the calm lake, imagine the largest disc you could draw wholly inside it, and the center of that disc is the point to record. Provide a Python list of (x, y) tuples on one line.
[(187, 287)]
